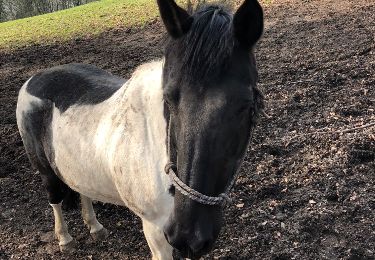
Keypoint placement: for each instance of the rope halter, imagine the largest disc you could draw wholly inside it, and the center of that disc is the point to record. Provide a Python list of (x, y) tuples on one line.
[(222, 199), (171, 169)]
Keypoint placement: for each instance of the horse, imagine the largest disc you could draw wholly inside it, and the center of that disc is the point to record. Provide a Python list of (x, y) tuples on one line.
[(166, 143)]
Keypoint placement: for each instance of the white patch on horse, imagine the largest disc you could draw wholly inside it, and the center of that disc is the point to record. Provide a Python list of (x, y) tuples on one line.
[(24, 104), (156, 241), (115, 151)]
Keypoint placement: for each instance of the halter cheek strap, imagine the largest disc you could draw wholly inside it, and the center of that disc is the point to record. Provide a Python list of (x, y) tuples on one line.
[(170, 170)]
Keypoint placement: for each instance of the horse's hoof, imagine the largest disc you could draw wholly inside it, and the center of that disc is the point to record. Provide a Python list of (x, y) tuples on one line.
[(68, 248), (100, 235)]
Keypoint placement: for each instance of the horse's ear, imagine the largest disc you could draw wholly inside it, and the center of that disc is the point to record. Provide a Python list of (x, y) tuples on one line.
[(176, 19), (248, 23)]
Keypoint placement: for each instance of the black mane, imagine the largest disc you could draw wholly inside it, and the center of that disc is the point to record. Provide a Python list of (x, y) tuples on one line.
[(204, 51)]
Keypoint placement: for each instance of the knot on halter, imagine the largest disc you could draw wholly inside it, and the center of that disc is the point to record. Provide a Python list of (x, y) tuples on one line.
[(170, 166), (222, 199), (226, 198)]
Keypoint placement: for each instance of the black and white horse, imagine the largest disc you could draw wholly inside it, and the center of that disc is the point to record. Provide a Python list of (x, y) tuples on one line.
[(110, 139)]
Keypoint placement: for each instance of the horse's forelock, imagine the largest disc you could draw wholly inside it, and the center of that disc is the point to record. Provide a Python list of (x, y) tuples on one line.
[(206, 48)]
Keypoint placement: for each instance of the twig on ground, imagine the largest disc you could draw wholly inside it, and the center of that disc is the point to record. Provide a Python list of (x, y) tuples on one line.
[(265, 114), (21, 155), (332, 132), (13, 134)]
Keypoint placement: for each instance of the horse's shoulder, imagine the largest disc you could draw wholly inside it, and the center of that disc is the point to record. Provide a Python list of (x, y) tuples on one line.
[(73, 84)]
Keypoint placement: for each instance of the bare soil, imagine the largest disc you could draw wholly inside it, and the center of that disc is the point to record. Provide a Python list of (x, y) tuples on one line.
[(307, 189)]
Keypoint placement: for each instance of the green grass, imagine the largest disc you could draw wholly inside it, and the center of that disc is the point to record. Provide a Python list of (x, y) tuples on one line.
[(82, 21)]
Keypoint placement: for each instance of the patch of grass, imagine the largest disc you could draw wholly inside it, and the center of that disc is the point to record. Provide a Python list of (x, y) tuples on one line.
[(81, 21)]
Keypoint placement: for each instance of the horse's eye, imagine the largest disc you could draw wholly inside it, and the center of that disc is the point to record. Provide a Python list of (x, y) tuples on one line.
[(168, 102), (171, 98)]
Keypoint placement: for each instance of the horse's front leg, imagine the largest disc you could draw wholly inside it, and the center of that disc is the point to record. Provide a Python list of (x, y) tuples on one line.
[(61, 230), (160, 248), (97, 231)]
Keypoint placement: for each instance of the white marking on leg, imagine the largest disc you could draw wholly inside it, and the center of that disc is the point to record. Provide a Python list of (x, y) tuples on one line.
[(160, 248), (89, 216), (61, 228)]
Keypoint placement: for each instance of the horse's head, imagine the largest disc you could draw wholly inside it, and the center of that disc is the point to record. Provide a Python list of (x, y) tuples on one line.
[(211, 101)]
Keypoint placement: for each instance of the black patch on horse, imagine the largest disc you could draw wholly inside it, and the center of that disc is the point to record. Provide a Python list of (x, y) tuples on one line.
[(37, 139), (74, 84)]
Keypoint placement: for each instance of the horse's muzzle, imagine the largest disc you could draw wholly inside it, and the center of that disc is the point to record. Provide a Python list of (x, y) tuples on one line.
[(192, 249)]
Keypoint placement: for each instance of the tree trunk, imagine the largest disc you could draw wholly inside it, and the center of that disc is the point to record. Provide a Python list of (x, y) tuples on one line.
[(2, 12), (14, 9)]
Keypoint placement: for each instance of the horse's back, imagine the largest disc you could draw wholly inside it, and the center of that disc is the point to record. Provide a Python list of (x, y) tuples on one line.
[(57, 89), (60, 87), (74, 84)]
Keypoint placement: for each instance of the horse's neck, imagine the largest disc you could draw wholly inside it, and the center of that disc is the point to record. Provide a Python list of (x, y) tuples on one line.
[(140, 136), (137, 109), (138, 105)]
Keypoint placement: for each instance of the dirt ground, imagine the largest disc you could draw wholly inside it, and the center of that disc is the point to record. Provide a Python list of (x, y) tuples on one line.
[(307, 189)]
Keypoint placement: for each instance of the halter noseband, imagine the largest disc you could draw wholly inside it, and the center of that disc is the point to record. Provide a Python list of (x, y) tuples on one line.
[(191, 193), (170, 170)]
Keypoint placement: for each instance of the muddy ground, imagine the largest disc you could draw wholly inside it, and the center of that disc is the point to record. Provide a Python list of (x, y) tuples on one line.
[(307, 189)]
